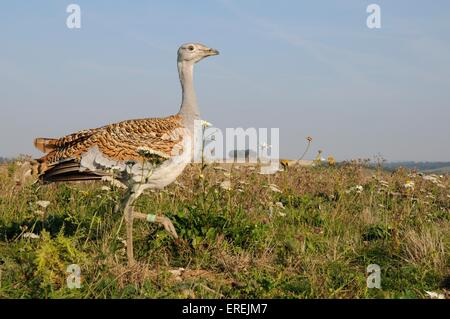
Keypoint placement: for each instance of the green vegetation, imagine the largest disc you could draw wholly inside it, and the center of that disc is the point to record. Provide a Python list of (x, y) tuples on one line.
[(308, 232)]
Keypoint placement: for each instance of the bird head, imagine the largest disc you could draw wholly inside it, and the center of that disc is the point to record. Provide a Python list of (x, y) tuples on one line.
[(194, 52)]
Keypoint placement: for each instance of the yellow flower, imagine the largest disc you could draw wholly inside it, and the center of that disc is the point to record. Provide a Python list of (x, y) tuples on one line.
[(284, 163), (331, 161)]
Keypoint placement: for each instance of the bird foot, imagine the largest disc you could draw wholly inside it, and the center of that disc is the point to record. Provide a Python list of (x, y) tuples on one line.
[(168, 225), (160, 219)]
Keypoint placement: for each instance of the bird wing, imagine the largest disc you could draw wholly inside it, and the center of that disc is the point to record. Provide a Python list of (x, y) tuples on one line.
[(117, 142)]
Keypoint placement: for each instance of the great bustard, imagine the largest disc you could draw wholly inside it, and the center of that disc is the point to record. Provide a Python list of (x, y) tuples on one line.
[(142, 153)]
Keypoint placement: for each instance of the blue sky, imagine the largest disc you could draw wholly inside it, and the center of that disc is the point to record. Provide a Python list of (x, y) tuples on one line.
[(307, 67)]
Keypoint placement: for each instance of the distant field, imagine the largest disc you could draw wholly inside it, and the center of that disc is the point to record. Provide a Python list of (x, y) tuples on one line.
[(308, 232)]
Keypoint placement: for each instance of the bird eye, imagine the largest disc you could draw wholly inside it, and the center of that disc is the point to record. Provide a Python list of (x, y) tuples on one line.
[(191, 48)]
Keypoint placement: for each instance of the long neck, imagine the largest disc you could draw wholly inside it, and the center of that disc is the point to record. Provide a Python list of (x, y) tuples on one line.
[(189, 108)]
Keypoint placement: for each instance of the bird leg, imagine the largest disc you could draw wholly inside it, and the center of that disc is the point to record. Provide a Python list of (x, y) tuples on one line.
[(130, 197), (130, 215), (159, 219)]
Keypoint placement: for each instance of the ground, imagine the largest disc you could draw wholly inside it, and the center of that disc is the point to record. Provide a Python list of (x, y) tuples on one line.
[(307, 232)]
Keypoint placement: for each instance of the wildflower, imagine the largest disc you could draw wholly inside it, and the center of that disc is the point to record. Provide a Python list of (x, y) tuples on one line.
[(226, 185), (179, 184), (114, 182), (284, 163), (435, 295), (116, 168), (40, 213), (145, 151), (130, 162), (331, 161), (177, 273), (226, 174), (274, 188), (319, 156), (123, 241), (43, 203), (279, 205), (384, 183), (409, 185), (105, 188), (358, 189), (205, 124), (30, 235), (431, 178)]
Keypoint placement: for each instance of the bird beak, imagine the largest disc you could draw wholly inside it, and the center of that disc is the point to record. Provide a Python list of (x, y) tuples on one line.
[(210, 52)]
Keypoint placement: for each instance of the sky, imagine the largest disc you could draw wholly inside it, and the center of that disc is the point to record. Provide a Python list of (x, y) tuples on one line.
[(309, 68)]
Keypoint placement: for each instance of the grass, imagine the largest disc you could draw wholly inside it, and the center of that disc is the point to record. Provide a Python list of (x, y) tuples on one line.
[(314, 238)]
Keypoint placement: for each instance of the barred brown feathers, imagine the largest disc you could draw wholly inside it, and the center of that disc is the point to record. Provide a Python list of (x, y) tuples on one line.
[(118, 141)]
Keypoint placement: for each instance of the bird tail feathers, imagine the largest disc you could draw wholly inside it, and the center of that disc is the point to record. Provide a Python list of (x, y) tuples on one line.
[(45, 144)]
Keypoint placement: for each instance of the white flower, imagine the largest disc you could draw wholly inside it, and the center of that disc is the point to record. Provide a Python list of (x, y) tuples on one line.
[(279, 205), (106, 188), (206, 123), (43, 203), (409, 185), (274, 188), (114, 182), (30, 235), (435, 295), (431, 178), (357, 189), (40, 213), (179, 184), (384, 183), (226, 185), (145, 151), (265, 146), (177, 273), (123, 241)]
